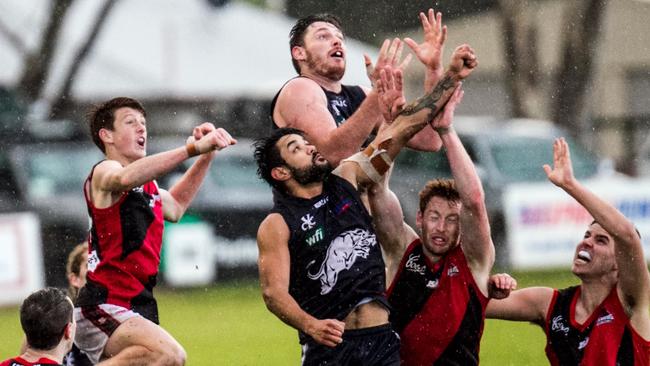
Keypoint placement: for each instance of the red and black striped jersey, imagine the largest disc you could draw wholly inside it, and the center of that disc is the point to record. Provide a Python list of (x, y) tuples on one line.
[(606, 338), (437, 309), (124, 250), (21, 362)]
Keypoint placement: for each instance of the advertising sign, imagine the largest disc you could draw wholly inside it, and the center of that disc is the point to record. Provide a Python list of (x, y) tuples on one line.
[(544, 224), (21, 262)]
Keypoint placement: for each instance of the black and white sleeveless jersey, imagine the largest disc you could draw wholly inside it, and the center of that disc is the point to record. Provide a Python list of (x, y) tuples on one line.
[(336, 261), (340, 105)]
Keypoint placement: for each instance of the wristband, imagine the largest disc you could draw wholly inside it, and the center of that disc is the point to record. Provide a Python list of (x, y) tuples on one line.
[(192, 149)]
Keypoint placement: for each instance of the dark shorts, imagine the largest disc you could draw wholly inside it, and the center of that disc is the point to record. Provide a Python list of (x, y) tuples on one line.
[(368, 346)]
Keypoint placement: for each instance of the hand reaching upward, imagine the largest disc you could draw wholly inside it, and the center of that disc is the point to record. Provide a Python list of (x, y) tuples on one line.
[(562, 173), (390, 55), (463, 62), (429, 52)]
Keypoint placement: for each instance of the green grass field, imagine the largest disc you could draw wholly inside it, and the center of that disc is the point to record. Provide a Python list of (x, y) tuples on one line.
[(228, 324)]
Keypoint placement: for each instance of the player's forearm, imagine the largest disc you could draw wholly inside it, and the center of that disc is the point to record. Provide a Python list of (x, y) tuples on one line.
[(348, 138), (425, 140), (463, 171), (604, 213), (431, 78), (285, 307), (186, 188), (146, 169), (416, 115)]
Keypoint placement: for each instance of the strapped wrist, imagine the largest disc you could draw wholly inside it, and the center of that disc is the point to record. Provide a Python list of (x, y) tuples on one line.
[(192, 149)]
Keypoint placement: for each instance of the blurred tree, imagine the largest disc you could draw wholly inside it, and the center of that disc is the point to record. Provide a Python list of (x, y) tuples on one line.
[(581, 28), (37, 62)]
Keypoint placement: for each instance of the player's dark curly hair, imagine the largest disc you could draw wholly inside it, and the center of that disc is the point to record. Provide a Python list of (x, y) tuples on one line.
[(297, 33), (267, 154), (444, 188)]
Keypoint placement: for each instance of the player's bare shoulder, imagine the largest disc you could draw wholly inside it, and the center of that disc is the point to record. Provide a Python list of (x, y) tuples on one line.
[(301, 88)]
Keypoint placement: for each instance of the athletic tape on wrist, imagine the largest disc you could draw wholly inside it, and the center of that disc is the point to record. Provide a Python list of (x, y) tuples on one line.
[(374, 162), (192, 149)]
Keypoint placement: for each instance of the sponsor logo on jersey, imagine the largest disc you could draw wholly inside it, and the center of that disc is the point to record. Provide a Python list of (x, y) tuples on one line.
[(307, 222), (316, 237), (413, 266), (93, 261), (321, 202), (607, 318), (337, 103), (583, 344), (432, 284), (342, 254), (557, 325), (342, 206), (152, 201), (453, 270)]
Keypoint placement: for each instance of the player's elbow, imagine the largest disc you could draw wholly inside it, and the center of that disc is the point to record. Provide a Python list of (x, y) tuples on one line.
[(270, 296)]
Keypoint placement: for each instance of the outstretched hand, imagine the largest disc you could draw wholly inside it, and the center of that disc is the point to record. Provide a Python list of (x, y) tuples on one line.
[(442, 121), (390, 55), (463, 62), (429, 52), (562, 173), (500, 285), (390, 89)]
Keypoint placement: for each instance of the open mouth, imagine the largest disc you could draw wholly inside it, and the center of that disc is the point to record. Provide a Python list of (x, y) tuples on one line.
[(317, 157), (141, 141), (584, 256), (438, 240), (337, 54)]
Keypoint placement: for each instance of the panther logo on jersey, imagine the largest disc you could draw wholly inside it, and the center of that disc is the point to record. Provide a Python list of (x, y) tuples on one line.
[(342, 253)]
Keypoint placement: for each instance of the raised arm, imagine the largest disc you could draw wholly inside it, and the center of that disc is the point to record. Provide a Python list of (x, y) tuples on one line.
[(429, 52), (111, 179), (274, 268), (475, 238), (393, 233), (412, 119), (633, 276)]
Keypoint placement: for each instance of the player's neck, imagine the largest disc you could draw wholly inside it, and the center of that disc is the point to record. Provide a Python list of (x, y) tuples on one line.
[(306, 191), (593, 292), (325, 82), (32, 355)]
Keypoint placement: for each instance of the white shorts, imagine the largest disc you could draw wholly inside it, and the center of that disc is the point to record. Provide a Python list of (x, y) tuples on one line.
[(95, 324)]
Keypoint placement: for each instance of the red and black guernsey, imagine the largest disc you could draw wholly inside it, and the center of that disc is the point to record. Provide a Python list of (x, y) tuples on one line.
[(124, 251), (606, 338), (22, 362), (438, 310)]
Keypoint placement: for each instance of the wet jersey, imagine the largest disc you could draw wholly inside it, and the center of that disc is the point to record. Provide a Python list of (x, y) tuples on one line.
[(437, 309), (340, 105), (606, 338), (124, 251), (336, 262), (21, 362)]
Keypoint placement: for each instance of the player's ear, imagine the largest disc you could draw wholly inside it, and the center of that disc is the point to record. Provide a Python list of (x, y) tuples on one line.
[(281, 173), (106, 135), (418, 220), (298, 53)]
